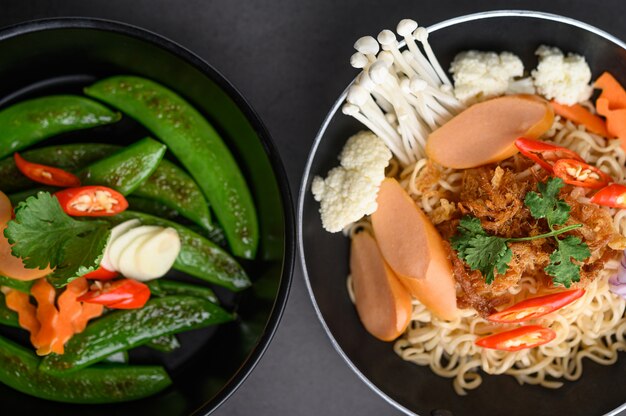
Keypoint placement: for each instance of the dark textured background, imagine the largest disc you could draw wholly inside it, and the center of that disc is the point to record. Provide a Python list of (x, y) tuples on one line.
[(290, 59)]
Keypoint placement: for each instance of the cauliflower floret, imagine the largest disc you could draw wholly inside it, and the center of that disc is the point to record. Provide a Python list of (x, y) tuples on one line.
[(349, 191), (562, 78), (481, 75)]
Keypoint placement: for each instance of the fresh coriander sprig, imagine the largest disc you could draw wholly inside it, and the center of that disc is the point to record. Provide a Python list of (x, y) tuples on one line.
[(42, 234), (491, 254)]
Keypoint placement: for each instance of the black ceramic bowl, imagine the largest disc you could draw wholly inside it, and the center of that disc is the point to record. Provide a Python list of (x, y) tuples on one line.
[(415, 389), (64, 55)]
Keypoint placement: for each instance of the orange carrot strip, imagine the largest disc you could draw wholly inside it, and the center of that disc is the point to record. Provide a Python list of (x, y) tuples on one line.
[(47, 315), (580, 115), (612, 90), (615, 120), (26, 311), (90, 311), (69, 310)]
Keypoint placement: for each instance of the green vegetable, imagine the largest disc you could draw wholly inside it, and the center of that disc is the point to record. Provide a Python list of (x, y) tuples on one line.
[(198, 256), (21, 285), (104, 384), (7, 316), (198, 147), (164, 287), (125, 170), (174, 188), (166, 343), (28, 122), (126, 329), (117, 358), (169, 184), (152, 207), (71, 157), (22, 196), (43, 234), (491, 254)]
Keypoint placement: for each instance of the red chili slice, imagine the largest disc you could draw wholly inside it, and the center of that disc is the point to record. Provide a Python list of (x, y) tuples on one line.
[(101, 274), (535, 307), (613, 195), (581, 174), (545, 154), (91, 201), (119, 294), (47, 175), (517, 339)]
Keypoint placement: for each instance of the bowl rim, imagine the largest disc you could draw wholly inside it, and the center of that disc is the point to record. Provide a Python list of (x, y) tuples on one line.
[(289, 258), (318, 138)]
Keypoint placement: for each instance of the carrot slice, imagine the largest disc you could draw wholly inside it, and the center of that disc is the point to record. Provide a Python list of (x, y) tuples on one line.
[(47, 315), (26, 312), (580, 115), (612, 91), (615, 119), (69, 311), (89, 311)]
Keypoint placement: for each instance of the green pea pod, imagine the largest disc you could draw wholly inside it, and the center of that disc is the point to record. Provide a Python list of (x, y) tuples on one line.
[(29, 122), (166, 343), (152, 207), (117, 358), (95, 385), (198, 147), (21, 285), (164, 287), (174, 188), (169, 184), (126, 329), (198, 256), (70, 157), (7, 316), (126, 169)]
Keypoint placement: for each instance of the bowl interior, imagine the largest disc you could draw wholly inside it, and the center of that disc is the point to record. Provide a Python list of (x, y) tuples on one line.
[(66, 55), (414, 388)]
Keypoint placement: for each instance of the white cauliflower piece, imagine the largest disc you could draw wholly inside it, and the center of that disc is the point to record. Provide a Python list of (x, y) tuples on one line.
[(481, 75), (562, 78), (349, 191)]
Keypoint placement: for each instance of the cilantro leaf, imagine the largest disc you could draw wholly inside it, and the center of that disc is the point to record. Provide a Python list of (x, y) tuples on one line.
[(561, 267), (548, 205), (488, 254), (468, 228), (42, 234)]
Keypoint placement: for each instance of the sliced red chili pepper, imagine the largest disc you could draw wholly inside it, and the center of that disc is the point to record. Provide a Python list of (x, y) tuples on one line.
[(613, 195), (119, 294), (47, 175), (544, 154), (581, 174), (535, 307), (101, 274), (91, 201), (517, 339)]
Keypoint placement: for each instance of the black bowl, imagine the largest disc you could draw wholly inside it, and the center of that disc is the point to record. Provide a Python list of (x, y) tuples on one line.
[(415, 389), (64, 55)]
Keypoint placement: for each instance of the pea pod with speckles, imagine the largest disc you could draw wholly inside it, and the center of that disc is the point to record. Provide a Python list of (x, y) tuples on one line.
[(169, 184), (126, 169), (126, 329), (19, 369), (7, 316), (198, 256), (198, 147), (28, 122)]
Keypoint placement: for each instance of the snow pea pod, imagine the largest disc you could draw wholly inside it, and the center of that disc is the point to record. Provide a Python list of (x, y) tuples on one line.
[(198, 256), (126, 329), (31, 121), (71, 157), (7, 316), (164, 287), (169, 184), (21, 285), (166, 343), (102, 384), (126, 169), (198, 147)]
